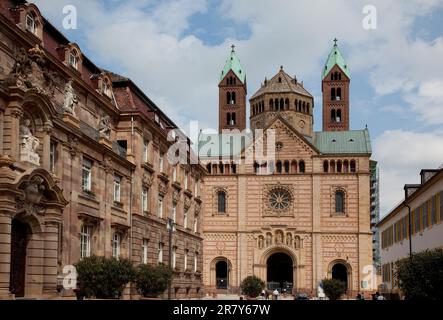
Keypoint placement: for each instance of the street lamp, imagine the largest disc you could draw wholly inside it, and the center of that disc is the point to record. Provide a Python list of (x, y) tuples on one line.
[(170, 227)]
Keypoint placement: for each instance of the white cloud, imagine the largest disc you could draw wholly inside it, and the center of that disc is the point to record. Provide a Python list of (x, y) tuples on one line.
[(401, 155)]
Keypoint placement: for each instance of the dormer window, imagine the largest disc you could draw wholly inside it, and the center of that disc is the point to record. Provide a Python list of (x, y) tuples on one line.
[(73, 60), (30, 23), (107, 89)]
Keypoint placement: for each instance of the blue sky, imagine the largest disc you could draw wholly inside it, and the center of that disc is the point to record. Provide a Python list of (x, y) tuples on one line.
[(175, 51)]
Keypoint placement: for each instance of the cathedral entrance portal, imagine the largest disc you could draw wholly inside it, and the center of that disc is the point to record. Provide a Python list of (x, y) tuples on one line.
[(280, 273)]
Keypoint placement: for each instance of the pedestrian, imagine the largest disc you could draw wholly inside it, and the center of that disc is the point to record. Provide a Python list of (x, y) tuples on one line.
[(275, 294), (263, 294), (358, 296)]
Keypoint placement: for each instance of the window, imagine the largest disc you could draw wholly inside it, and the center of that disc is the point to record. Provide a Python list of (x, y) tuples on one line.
[(353, 166), (116, 242), (86, 174), (196, 187), (286, 164), (107, 89), (325, 166), (144, 250), (338, 98), (196, 224), (174, 212), (117, 188), (196, 262), (424, 216), (441, 205), (434, 210), (52, 156), (160, 162), (145, 199), (185, 262), (221, 201), (174, 173), (85, 241), (30, 23), (145, 150), (174, 257), (160, 252), (160, 207), (185, 219), (73, 59), (301, 167), (339, 201), (186, 181), (416, 220)]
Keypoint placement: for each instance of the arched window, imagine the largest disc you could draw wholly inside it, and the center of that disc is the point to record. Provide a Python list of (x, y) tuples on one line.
[(228, 97), (276, 104), (287, 104), (296, 104), (221, 202), (221, 168), (233, 98), (214, 169), (353, 167), (339, 201), (333, 115), (339, 76), (282, 104), (301, 167), (332, 76), (338, 116), (228, 118), (339, 166), (279, 167), (271, 104), (233, 119), (287, 166), (256, 168), (332, 166), (338, 94), (332, 94), (294, 166), (304, 107), (233, 168), (209, 168), (299, 106), (325, 166), (308, 108), (346, 166), (30, 23)]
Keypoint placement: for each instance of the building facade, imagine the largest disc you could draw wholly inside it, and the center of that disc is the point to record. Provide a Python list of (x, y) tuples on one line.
[(84, 167), (423, 205), (302, 215)]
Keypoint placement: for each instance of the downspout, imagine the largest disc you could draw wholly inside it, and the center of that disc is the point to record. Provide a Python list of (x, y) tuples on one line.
[(409, 231), (131, 201)]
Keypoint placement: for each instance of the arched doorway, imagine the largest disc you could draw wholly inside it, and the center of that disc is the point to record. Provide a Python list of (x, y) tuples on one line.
[(20, 234), (340, 272), (221, 274), (280, 272)]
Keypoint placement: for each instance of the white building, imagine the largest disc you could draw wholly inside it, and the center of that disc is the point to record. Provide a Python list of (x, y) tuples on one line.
[(424, 202)]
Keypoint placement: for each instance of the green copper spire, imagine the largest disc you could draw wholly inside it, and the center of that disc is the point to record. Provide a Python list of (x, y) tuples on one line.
[(233, 63), (335, 58)]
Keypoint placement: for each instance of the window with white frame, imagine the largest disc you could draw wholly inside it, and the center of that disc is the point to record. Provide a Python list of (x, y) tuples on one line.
[(160, 162), (174, 212), (116, 244), (85, 241), (117, 188), (144, 250), (196, 262), (73, 59), (145, 199), (86, 174), (107, 89), (160, 207), (185, 218), (52, 156), (160, 252), (185, 262), (30, 23), (174, 257), (145, 150)]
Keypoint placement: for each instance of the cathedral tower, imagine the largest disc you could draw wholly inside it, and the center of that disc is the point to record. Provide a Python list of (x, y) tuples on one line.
[(335, 87), (232, 95)]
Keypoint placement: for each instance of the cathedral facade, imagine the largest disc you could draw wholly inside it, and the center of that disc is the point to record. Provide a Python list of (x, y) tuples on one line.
[(303, 215)]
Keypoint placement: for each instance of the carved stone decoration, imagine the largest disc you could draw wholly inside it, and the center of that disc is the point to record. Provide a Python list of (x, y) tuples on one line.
[(107, 164), (28, 144), (278, 237), (70, 99), (198, 208), (105, 127), (72, 145), (289, 239), (268, 239), (162, 188), (147, 180), (187, 203), (176, 196), (261, 242), (30, 203)]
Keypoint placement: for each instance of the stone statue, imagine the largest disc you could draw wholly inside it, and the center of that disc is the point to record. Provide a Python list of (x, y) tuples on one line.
[(105, 127), (28, 144), (289, 239), (268, 239), (279, 237), (70, 99), (260, 242)]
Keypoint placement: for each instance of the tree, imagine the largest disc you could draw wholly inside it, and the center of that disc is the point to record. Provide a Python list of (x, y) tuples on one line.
[(103, 278), (252, 286), (151, 280), (333, 288), (422, 277)]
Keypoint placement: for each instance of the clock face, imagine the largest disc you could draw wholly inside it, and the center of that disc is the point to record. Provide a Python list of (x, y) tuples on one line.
[(279, 199)]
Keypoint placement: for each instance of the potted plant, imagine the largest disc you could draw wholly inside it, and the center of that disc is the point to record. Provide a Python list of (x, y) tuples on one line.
[(252, 286), (333, 288), (103, 278), (152, 280)]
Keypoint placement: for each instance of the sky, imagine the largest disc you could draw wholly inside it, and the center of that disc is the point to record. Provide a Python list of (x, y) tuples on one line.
[(175, 51)]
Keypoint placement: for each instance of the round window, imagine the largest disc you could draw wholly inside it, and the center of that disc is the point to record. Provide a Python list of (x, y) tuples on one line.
[(279, 199)]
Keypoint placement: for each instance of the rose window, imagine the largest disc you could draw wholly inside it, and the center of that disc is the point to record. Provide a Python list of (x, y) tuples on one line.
[(279, 199)]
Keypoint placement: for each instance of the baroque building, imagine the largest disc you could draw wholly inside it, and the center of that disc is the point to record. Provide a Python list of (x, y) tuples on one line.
[(300, 214), (84, 167)]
